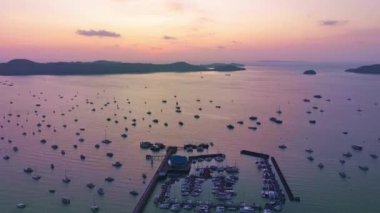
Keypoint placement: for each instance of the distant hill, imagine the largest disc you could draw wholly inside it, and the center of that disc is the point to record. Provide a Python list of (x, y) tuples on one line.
[(27, 67), (371, 69)]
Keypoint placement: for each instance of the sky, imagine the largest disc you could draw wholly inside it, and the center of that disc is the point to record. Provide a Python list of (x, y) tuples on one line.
[(197, 31)]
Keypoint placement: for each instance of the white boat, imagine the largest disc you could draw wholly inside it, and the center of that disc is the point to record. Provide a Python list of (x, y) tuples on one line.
[(220, 209), (175, 207), (267, 211), (20, 205), (94, 208), (246, 209)]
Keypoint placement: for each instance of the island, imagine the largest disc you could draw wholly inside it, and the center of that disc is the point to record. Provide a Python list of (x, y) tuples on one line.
[(310, 72), (370, 69), (27, 67)]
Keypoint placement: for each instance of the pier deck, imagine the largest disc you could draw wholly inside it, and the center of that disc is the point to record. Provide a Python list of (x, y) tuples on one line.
[(278, 170), (284, 183), (153, 182)]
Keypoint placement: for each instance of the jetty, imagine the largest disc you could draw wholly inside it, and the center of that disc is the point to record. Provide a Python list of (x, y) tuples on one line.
[(153, 182), (255, 154), (205, 156), (283, 181), (278, 170)]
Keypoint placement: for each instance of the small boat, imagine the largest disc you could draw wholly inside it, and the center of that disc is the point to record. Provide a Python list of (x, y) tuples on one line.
[(65, 200), (343, 175), (347, 154), (219, 159), (363, 168), (94, 208), (220, 209), (66, 179), (176, 207), (309, 151), (230, 126), (374, 156), (321, 166), (90, 185), (283, 146), (100, 191), (310, 158), (109, 179), (133, 193), (21, 205), (357, 148), (28, 170), (117, 164), (106, 141), (276, 120), (36, 177)]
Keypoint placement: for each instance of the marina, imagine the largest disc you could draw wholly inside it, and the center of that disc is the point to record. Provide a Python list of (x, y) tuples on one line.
[(223, 179), (83, 143)]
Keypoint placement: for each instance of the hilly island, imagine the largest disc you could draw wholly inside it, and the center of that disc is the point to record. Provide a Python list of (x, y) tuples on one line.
[(27, 67)]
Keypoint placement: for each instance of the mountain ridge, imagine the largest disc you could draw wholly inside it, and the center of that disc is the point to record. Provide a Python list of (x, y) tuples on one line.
[(104, 67)]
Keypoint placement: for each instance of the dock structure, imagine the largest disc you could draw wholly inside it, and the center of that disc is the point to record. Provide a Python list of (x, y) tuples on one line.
[(278, 170), (255, 154), (205, 156), (153, 182), (283, 181)]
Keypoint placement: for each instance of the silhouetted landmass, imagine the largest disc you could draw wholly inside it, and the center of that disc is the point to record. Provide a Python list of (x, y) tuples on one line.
[(27, 67), (371, 69), (310, 72)]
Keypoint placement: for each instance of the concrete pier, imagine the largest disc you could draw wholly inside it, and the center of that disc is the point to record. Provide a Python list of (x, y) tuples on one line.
[(254, 154), (153, 182), (283, 181)]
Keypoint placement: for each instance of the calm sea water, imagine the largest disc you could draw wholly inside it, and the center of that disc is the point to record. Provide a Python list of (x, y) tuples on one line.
[(259, 91)]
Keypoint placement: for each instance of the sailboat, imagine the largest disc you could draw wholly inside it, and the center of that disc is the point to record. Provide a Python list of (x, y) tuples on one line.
[(66, 179), (94, 208)]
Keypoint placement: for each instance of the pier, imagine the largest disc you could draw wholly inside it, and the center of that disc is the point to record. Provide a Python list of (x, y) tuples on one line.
[(255, 154), (283, 181), (278, 170), (205, 156), (153, 182)]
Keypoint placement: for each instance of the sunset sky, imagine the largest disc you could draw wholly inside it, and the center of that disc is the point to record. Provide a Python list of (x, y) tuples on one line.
[(197, 31)]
